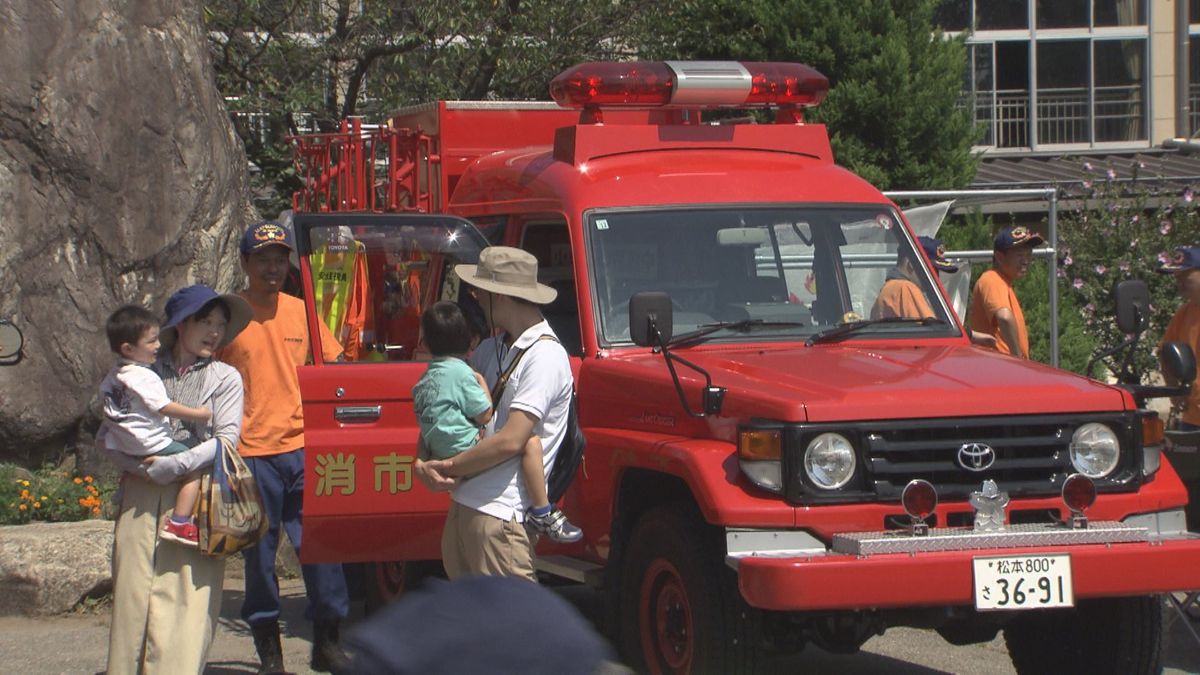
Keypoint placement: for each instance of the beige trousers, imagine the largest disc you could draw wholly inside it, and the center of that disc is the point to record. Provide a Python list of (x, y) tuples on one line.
[(475, 543), (166, 597)]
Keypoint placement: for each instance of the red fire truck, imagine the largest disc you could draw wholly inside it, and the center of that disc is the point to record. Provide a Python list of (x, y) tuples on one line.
[(765, 468)]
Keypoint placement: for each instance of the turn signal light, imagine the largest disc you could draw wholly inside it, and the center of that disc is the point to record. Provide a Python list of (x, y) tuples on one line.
[(694, 84), (1152, 429), (760, 444)]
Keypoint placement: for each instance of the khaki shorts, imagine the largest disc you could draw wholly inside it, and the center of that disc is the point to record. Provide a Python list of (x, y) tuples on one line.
[(474, 543)]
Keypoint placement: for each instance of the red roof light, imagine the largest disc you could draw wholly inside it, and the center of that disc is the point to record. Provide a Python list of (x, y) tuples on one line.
[(694, 84)]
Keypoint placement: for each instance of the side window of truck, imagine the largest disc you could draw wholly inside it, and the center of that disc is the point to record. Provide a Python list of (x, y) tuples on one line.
[(549, 241), (371, 284)]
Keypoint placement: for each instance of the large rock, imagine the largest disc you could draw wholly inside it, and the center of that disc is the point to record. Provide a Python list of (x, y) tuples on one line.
[(46, 568), (121, 179)]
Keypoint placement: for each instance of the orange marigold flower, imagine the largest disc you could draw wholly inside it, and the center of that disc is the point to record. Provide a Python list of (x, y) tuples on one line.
[(25, 483), (23, 507), (37, 505), (78, 480), (96, 510), (25, 494), (87, 479)]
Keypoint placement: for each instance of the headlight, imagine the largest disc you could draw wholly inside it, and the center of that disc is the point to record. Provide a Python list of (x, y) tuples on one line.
[(1095, 450), (829, 461)]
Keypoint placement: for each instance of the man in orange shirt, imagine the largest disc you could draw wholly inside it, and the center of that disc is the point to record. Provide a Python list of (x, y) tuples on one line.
[(1185, 325), (995, 309), (266, 354), (901, 296)]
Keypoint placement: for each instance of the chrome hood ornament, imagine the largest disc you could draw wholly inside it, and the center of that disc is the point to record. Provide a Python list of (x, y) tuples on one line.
[(989, 504)]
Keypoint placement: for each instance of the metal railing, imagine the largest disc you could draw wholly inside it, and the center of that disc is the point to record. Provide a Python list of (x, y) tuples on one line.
[(1063, 115)]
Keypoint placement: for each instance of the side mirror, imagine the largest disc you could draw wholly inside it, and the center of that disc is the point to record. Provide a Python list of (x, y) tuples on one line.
[(11, 341), (1133, 305), (647, 307), (1178, 363)]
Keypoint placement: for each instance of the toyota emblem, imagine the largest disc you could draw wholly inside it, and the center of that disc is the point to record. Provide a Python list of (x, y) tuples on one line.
[(976, 456)]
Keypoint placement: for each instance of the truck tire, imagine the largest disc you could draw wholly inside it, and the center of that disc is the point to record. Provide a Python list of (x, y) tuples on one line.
[(384, 582), (679, 606), (1113, 635)]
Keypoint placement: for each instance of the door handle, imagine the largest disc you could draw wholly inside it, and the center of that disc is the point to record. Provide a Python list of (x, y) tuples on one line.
[(357, 413)]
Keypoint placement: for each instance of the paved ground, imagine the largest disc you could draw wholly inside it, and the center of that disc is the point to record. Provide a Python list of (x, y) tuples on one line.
[(78, 643)]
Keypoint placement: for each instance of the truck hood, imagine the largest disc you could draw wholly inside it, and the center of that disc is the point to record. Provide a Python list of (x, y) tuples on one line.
[(841, 382)]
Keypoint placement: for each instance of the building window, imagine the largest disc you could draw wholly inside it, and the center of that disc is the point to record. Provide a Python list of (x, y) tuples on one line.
[(1078, 78)]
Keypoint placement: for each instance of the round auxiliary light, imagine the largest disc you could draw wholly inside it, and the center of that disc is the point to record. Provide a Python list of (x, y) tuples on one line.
[(829, 461), (1095, 450), (1078, 492), (919, 498)]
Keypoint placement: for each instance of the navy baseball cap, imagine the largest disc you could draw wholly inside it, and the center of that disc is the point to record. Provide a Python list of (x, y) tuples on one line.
[(266, 233), (1012, 237), (937, 254), (477, 625), (1185, 258)]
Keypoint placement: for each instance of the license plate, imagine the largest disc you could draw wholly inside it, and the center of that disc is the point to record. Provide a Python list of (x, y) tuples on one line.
[(1023, 582)]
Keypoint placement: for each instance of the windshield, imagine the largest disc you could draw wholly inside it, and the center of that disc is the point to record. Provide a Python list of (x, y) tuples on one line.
[(792, 272)]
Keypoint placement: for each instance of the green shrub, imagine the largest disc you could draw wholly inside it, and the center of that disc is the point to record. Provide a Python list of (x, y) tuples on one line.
[(1116, 231), (50, 495)]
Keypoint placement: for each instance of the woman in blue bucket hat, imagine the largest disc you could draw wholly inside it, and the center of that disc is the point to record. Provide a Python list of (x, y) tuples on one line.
[(166, 598)]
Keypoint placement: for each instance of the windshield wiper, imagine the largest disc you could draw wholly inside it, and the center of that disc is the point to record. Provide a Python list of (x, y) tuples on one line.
[(852, 327), (745, 325)]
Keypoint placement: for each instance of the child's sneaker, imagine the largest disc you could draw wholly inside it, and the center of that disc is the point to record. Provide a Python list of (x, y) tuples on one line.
[(186, 534), (555, 525)]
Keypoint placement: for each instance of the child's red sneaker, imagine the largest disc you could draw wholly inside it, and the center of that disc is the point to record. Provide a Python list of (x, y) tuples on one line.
[(181, 533)]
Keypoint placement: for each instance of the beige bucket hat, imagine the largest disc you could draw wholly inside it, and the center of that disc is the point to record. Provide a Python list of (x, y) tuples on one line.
[(507, 271)]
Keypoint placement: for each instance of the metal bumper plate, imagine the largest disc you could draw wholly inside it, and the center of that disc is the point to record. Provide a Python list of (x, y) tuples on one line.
[(967, 539)]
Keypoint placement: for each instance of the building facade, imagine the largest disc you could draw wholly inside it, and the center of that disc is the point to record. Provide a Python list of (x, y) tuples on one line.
[(1072, 76)]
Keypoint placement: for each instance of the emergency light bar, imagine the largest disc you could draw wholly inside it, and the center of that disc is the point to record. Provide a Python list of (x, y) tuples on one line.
[(690, 84)]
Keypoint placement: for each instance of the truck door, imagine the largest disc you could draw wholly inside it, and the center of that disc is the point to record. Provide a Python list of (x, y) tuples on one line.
[(368, 277)]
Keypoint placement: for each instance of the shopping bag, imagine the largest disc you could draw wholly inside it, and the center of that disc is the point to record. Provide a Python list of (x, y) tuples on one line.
[(230, 513)]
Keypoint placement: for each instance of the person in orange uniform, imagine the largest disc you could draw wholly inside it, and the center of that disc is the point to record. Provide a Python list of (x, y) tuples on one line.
[(901, 296), (1185, 325), (995, 309), (266, 354)]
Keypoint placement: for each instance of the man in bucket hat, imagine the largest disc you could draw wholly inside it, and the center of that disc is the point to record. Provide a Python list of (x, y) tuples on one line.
[(1185, 325), (484, 532), (995, 309), (267, 354)]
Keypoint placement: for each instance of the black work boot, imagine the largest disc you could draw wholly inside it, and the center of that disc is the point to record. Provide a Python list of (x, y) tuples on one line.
[(266, 643), (327, 654)]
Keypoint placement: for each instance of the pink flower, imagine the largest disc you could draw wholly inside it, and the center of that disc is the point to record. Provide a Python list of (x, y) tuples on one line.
[(1133, 244), (1087, 166), (1078, 283), (1067, 261), (1188, 195), (1124, 266), (1163, 257), (1111, 174), (1090, 308), (1165, 228), (1062, 274), (1087, 184), (1134, 219), (1101, 269)]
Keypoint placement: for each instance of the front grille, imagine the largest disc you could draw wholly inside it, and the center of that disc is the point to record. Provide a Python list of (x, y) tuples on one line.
[(1029, 455)]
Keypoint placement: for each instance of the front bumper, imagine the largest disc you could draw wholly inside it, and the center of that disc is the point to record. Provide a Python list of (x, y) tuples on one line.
[(810, 580)]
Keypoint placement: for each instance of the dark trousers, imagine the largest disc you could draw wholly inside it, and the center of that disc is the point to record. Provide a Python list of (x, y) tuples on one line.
[(281, 480)]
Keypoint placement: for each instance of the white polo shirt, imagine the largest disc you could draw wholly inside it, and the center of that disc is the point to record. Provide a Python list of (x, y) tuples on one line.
[(540, 385)]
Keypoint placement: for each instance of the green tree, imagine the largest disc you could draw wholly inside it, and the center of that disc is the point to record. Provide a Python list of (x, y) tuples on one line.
[(894, 107), (291, 65)]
